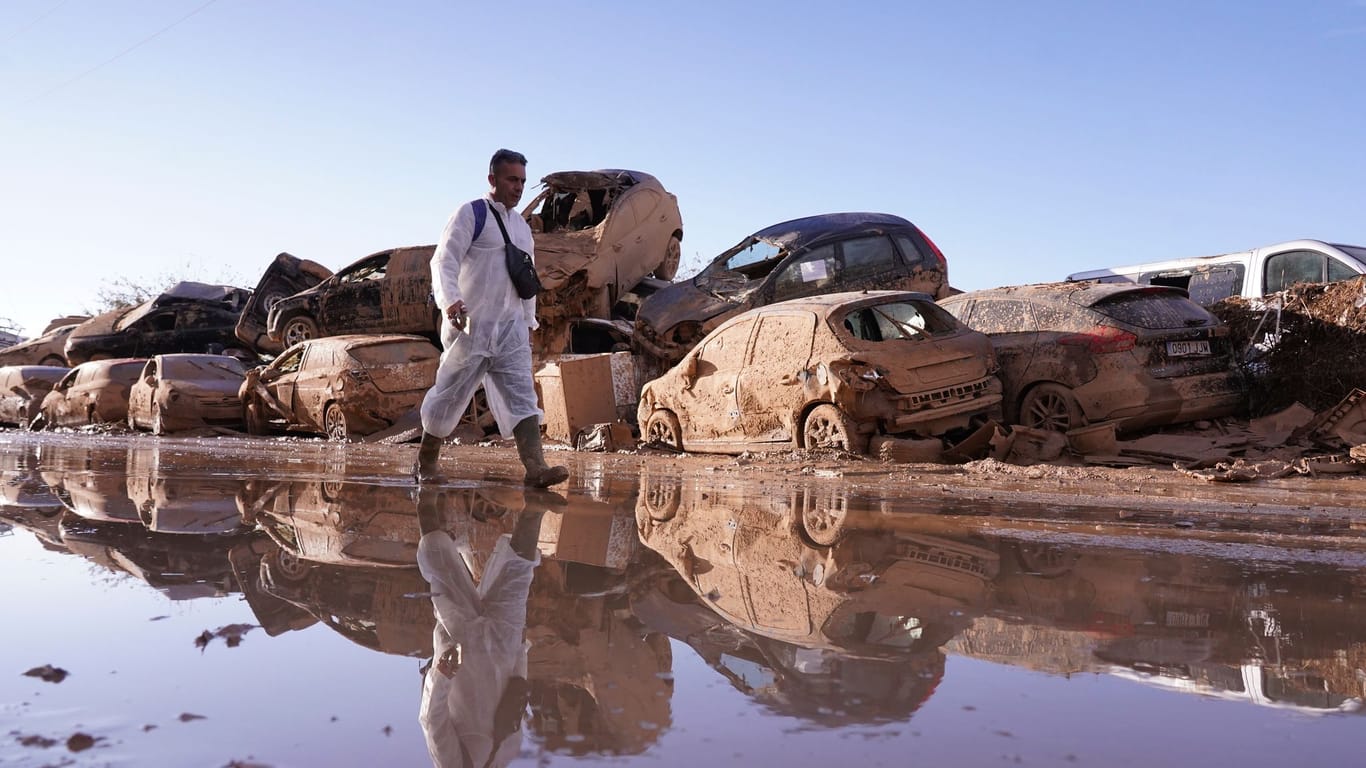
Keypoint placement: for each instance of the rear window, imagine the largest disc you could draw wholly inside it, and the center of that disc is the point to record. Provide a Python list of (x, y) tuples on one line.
[(1154, 310), (393, 354), (898, 320)]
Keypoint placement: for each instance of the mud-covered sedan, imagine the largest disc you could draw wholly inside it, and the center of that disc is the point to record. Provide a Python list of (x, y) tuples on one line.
[(1073, 354), (189, 317), (186, 391), (92, 393), (22, 389), (47, 349), (803, 257), (340, 386), (824, 372)]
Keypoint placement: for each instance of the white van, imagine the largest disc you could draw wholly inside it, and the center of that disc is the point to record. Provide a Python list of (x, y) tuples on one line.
[(1250, 274)]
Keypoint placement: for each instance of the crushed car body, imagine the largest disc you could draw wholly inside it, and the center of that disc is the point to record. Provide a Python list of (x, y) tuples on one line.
[(803, 257), (92, 393), (184, 391), (1073, 354), (340, 386), (286, 276), (826, 371), (22, 389), (385, 292), (190, 317)]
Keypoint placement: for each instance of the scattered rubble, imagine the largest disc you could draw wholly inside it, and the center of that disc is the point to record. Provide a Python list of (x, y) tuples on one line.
[(48, 673)]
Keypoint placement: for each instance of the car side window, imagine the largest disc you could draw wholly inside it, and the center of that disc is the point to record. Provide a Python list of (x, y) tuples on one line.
[(289, 363), (1208, 285), (1003, 316), (1339, 271), (725, 351), (806, 275), (909, 250), (1285, 269), (373, 269), (866, 257), (162, 321)]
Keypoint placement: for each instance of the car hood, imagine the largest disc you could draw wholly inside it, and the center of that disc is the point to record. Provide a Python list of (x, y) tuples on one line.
[(678, 303)]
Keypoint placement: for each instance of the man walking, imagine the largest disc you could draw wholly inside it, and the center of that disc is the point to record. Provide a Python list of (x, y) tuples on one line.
[(485, 327)]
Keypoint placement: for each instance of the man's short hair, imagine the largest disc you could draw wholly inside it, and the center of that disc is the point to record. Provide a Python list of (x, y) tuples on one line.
[(504, 156)]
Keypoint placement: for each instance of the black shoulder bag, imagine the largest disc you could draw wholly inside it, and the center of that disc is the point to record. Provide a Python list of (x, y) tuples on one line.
[(520, 267)]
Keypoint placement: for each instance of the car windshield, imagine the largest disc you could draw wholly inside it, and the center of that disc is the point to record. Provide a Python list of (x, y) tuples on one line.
[(201, 367), (1355, 251), (740, 268), (1148, 309), (907, 319)]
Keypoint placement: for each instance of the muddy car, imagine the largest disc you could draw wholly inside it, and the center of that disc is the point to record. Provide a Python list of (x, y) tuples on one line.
[(385, 292), (47, 349), (824, 372), (22, 389), (186, 391), (286, 276), (1074, 354), (190, 317), (598, 235), (341, 386), (803, 257), (91, 393)]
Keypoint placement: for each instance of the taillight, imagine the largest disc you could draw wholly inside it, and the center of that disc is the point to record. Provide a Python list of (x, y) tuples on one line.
[(1101, 339), (938, 254), (359, 374)]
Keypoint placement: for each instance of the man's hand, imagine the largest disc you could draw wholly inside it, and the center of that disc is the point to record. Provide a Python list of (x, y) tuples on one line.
[(456, 314)]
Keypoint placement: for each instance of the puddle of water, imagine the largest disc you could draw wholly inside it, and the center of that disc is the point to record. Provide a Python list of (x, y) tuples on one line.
[(284, 603)]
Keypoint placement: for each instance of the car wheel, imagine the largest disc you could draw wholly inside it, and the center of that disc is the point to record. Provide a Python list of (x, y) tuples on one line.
[(255, 421), (829, 427), (1051, 407), (1046, 560), (334, 423), (53, 360), (286, 566), (299, 328), (672, 255), (823, 522), (661, 497), (662, 427)]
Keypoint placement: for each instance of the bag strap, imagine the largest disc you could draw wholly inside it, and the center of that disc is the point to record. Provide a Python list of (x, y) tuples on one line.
[(481, 214), (506, 240)]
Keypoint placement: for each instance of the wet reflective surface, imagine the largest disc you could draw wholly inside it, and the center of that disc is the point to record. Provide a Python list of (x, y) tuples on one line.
[(301, 603)]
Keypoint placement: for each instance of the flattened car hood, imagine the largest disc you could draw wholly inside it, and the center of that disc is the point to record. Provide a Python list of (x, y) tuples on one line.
[(680, 302)]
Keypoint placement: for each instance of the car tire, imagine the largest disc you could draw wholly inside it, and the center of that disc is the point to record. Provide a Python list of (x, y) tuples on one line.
[(334, 423), (662, 427), (661, 497), (53, 360), (286, 566), (673, 254), (1051, 407), (1046, 560), (823, 524), (298, 328), (829, 427)]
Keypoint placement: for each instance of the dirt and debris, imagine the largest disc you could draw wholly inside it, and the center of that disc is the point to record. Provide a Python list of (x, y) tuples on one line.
[(231, 634), (48, 673)]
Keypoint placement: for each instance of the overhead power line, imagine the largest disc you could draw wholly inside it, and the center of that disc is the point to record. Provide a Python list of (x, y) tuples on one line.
[(35, 22), (120, 54)]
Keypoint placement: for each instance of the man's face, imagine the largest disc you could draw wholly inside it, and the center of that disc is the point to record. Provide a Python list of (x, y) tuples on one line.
[(507, 182)]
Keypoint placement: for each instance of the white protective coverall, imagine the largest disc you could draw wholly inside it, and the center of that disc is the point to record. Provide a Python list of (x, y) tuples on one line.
[(495, 347), (488, 621)]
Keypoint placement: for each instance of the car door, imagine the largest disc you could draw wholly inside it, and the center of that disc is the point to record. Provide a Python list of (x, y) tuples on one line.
[(143, 392), (408, 303), (769, 390), (1284, 269), (712, 409), (313, 383), (353, 301), (1014, 333), (280, 380)]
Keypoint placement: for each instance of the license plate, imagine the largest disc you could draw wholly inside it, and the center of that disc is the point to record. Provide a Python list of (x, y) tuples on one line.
[(1187, 348)]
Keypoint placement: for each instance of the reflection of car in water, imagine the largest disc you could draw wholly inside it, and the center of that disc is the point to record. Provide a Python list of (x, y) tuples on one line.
[(180, 567), (92, 481), (335, 522), (867, 605), (185, 498)]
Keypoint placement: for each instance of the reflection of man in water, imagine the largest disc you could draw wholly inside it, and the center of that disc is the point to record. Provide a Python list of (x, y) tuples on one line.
[(475, 692)]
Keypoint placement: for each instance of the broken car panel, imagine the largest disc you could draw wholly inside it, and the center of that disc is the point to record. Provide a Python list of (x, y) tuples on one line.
[(824, 372), (286, 276), (1073, 354), (340, 386), (190, 317), (803, 257), (186, 391)]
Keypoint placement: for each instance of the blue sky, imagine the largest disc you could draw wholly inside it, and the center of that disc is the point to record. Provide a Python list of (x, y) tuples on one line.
[(1028, 139)]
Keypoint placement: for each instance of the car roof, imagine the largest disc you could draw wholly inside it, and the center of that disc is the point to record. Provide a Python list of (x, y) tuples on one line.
[(598, 179), (349, 340), (1087, 293), (827, 304), (800, 232)]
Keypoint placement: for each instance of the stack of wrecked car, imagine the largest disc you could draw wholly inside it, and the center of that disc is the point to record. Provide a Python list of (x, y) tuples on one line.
[(189, 317)]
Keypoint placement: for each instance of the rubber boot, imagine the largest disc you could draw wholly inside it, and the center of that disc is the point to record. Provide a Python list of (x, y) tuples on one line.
[(427, 457), (538, 473)]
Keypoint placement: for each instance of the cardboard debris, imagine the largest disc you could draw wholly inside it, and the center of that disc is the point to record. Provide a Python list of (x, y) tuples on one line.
[(975, 446), (606, 437), (1026, 445), (1346, 421), (1275, 429), (1094, 439), (576, 392)]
